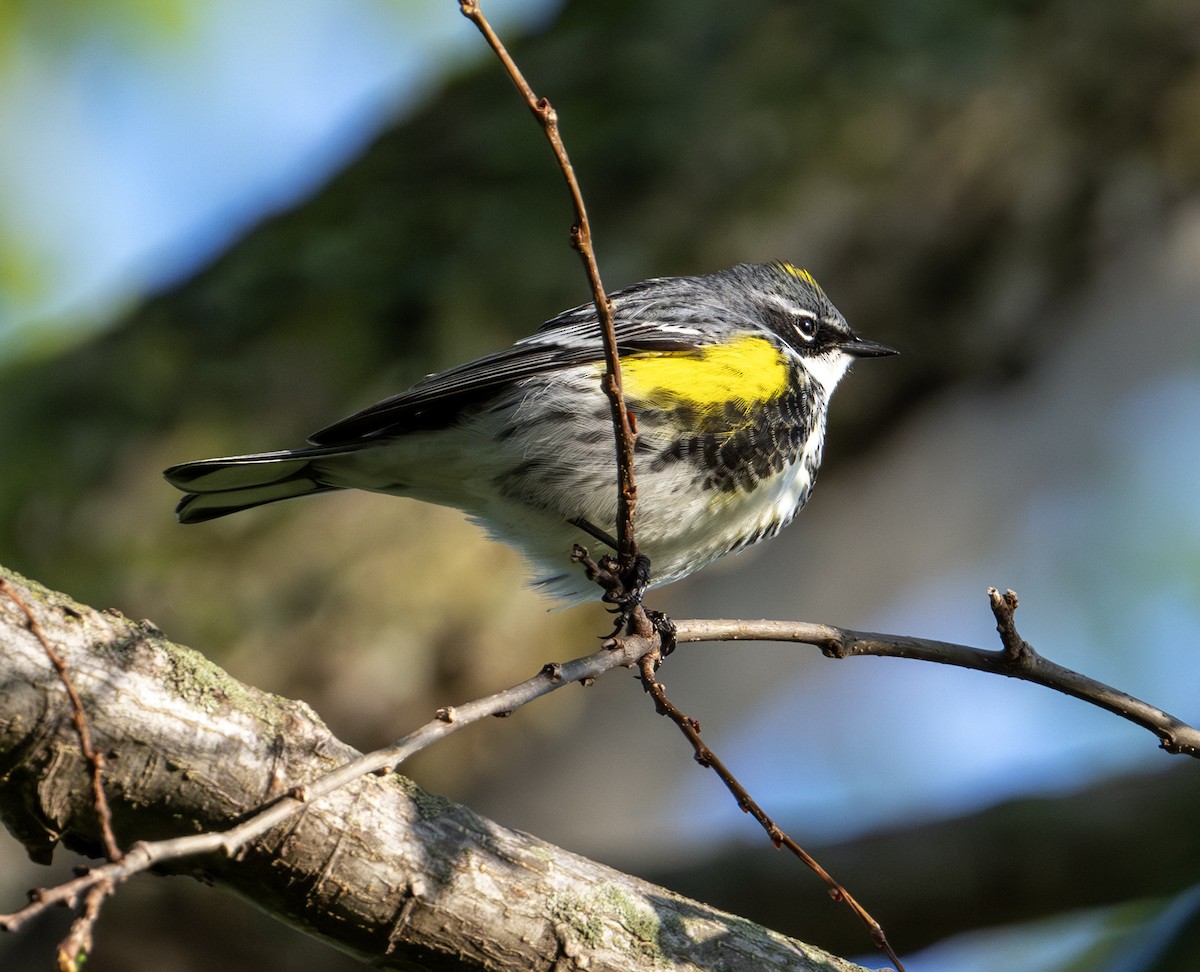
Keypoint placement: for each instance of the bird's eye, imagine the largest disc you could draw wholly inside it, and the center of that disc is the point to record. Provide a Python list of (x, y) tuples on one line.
[(806, 328)]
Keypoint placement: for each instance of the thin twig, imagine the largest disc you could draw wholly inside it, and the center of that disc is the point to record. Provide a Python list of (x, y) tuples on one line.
[(581, 241), (77, 946), (143, 855), (690, 728), (1016, 659), (93, 757)]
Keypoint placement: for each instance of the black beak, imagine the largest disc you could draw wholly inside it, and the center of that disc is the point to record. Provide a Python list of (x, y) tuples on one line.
[(867, 349)]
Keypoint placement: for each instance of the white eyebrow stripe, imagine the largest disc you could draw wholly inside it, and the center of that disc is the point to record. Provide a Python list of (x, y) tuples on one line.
[(790, 308)]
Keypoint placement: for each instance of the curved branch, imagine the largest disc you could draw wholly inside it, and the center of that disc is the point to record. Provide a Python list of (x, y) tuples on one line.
[(1015, 659)]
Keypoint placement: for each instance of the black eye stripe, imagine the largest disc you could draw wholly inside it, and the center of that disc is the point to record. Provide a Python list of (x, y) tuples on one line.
[(792, 324)]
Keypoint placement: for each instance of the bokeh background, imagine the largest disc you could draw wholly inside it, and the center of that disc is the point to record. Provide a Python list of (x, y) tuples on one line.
[(223, 225)]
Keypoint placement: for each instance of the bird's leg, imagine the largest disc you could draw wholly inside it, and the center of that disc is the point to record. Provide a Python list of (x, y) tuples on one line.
[(596, 533)]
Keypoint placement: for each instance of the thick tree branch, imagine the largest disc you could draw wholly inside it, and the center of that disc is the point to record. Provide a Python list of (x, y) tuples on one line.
[(95, 759), (377, 867)]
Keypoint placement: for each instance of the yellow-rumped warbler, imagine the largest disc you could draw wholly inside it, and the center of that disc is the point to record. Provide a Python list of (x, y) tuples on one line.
[(729, 376)]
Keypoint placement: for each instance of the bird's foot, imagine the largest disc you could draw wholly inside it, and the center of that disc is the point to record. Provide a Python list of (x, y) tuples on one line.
[(666, 630), (625, 590)]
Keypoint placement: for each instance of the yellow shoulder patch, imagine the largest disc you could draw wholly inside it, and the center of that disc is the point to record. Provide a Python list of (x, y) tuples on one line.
[(747, 370)]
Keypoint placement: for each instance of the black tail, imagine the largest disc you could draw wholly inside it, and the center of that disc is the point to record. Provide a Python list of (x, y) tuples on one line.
[(216, 487)]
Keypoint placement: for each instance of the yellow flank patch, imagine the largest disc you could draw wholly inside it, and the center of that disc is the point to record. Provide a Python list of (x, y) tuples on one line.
[(747, 370)]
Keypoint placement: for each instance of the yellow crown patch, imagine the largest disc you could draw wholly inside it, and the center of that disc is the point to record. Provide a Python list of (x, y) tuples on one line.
[(800, 274)]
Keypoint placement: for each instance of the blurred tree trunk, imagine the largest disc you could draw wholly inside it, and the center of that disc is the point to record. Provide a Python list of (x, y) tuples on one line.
[(935, 878)]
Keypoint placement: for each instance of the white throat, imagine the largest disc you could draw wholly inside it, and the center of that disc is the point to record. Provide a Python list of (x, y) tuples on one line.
[(827, 369)]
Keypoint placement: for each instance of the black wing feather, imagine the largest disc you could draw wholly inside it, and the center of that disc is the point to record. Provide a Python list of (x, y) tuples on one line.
[(655, 322)]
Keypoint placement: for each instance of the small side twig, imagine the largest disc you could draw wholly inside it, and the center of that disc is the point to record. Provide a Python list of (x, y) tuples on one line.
[(690, 728), (581, 240), (75, 948), (93, 757), (1017, 650)]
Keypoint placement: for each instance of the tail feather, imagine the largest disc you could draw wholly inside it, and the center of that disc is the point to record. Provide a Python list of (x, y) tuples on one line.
[(217, 487)]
